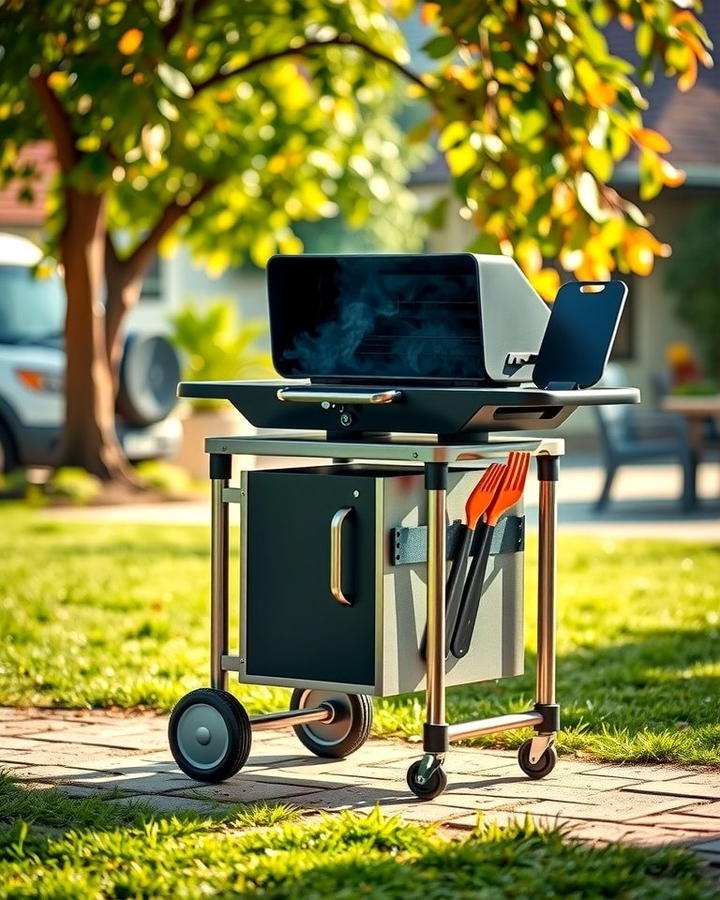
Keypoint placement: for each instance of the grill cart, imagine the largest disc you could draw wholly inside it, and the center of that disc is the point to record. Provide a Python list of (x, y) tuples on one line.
[(411, 365)]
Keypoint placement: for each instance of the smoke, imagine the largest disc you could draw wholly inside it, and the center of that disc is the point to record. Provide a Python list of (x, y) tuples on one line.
[(388, 323)]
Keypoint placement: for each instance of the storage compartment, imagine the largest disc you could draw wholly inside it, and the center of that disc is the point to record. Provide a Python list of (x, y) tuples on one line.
[(294, 632)]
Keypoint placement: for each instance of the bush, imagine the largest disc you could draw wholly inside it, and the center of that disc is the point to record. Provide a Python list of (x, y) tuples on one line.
[(76, 485), (217, 346)]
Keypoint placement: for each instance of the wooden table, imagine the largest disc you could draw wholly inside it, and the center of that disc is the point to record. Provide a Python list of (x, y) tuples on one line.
[(696, 409)]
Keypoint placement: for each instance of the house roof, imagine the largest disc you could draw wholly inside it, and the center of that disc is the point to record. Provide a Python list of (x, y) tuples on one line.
[(15, 212), (688, 120)]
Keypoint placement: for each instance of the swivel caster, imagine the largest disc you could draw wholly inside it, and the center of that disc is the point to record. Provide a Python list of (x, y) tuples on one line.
[(430, 788), (543, 766), (210, 735)]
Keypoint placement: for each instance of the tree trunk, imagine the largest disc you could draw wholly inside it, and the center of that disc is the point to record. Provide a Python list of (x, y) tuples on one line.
[(123, 285), (89, 439)]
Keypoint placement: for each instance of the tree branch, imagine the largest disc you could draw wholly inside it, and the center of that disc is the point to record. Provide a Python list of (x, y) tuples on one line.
[(342, 40), (58, 122), (142, 255)]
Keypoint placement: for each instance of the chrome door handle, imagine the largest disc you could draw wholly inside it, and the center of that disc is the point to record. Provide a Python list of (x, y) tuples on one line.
[(348, 398), (336, 524)]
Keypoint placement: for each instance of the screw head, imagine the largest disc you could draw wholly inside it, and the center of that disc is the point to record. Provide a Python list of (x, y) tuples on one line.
[(325, 404), (346, 419), (356, 493)]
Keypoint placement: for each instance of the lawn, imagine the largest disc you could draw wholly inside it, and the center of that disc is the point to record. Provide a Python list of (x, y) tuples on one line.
[(116, 615), (54, 847)]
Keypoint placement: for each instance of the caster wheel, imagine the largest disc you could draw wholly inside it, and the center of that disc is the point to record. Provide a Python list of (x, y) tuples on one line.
[(432, 788), (210, 735), (345, 733), (542, 767)]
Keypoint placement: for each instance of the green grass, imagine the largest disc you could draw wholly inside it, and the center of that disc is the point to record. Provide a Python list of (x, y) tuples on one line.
[(116, 615), (102, 850)]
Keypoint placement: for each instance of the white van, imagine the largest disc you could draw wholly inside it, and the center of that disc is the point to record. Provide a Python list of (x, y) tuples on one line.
[(32, 365)]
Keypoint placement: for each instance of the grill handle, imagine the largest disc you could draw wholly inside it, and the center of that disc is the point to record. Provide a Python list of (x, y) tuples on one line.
[(336, 524), (295, 395)]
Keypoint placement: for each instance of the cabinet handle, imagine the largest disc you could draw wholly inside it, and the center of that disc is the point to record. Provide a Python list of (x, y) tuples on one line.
[(336, 524)]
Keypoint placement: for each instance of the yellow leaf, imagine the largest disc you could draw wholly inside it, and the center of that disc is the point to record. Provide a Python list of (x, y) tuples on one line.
[(461, 158), (262, 249), (453, 134), (689, 76), (130, 41), (652, 140), (641, 247), (671, 177), (587, 76), (546, 282), (429, 13), (291, 244), (528, 255), (601, 94), (58, 81)]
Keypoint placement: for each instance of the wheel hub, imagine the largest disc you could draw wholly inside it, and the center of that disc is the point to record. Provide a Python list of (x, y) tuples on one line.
[(202, 736), (338, 727)]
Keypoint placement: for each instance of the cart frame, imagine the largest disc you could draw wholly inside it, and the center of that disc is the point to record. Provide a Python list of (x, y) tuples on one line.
[(435, 456)]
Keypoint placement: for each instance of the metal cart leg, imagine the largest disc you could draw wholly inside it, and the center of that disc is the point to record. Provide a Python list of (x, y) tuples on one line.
[(548, 473), (220, 474), (427, 778)]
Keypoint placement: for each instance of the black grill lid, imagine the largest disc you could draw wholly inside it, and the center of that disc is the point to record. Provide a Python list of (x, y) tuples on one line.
[(448, 318)]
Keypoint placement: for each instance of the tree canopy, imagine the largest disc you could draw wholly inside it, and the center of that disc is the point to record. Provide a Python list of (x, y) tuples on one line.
[(232, 123)]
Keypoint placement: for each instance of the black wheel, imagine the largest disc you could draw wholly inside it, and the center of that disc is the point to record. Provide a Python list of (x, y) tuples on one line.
[(8, 456), (432, 788), (210, 735), (542, 767), (345, 733)]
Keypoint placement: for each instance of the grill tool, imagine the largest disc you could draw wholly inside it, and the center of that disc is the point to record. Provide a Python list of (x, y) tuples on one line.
[(478, 501), (509, 492)]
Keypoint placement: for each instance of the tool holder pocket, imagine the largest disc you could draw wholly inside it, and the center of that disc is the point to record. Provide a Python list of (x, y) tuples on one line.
[(409, 545)]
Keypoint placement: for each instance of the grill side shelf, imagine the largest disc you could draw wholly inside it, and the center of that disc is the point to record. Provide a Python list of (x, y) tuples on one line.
[(409, 545)]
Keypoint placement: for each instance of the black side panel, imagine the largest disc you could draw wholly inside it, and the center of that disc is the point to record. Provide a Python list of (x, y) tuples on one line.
[(295, 627)]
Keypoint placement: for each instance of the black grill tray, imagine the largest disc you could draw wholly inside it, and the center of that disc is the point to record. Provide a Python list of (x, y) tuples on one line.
[(445, 411)]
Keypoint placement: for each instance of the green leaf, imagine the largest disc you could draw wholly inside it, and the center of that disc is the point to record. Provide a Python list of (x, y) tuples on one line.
[(525, 125), (439, 46), (437, 214)]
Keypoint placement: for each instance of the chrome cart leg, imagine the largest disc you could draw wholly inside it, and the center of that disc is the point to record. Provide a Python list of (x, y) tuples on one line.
[(542, 744), (220, 473), (427, 778)]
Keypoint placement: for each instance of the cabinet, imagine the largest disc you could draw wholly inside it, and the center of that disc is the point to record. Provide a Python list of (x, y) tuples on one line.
[(294, 632)]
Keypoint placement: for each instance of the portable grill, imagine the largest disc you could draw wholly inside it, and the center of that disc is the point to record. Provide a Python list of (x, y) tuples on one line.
[(398, 371)]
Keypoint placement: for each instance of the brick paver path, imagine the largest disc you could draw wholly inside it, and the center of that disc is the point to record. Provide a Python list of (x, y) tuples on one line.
[(126, 755)]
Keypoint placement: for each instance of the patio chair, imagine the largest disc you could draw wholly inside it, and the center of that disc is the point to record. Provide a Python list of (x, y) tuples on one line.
[(629, 436)]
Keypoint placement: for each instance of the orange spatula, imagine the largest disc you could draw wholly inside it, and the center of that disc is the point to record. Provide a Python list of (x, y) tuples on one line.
[(510, 492), (475, 506)]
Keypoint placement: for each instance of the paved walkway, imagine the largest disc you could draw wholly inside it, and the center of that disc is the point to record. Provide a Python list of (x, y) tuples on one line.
[(126, 755), (645, 504)]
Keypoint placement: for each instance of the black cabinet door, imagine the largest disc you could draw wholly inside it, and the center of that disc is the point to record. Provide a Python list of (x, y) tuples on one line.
[(295, 627)]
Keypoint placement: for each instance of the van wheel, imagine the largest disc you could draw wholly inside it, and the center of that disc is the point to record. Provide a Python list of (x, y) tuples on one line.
[(8, 457)]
